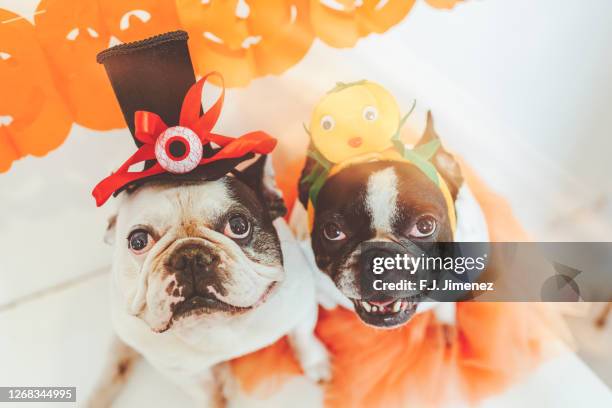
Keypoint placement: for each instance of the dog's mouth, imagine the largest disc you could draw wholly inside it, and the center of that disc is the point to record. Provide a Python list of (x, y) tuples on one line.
[(208, 303), (386, 313)]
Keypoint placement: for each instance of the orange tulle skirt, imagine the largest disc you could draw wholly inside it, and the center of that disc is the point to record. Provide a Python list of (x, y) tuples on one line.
[(423, 363)]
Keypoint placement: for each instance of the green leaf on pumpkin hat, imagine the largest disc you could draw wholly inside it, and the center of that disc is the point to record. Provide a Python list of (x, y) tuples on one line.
[(402, 121), (317, 175), (316, 186), (423, 164), (399, 146), (427, 150), (319, 158), (343, 85), (314, 174)]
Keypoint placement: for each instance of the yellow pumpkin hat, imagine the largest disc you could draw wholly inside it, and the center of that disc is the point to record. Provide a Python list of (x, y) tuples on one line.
[(360, 122)]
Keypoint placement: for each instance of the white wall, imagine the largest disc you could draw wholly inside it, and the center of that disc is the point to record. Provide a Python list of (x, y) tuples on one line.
[(543, 69)]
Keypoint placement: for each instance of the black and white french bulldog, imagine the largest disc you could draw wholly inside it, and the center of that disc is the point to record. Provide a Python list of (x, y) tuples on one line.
[(386, 205), (204, 272)]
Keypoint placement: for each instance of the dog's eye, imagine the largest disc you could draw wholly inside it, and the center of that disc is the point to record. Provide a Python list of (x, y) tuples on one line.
[(237, 227), (424, 227), (333, 232), (370, 113), (327, 122), (140, 241)]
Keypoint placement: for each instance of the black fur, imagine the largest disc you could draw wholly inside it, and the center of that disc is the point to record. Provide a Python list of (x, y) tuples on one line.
[(343, 200), (253, 176)]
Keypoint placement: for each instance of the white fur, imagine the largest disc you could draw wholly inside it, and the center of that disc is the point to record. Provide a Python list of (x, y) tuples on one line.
[(191, 354), (188, 351), (381, 200)]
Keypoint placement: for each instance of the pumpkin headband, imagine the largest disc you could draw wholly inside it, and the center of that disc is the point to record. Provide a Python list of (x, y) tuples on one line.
[(170, 148), (419, 156)]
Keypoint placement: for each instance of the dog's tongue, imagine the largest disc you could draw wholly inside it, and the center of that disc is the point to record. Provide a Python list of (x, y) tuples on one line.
[(382, 304)]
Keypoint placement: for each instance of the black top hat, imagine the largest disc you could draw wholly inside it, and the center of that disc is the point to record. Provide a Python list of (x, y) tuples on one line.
[(151, 75), (154, 75)]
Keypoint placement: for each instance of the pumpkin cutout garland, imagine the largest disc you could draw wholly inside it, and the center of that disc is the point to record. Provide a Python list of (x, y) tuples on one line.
[(33, 117), (241, 39), (72, 32), (443, 4), (133, 20), (245, 40), (351, 20)]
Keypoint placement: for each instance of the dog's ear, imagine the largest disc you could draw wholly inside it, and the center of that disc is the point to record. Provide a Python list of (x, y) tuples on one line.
[(445, 162), (109, 234), (259, 176)]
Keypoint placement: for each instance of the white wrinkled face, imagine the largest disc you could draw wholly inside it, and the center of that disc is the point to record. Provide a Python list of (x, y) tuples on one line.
[(192, 253)]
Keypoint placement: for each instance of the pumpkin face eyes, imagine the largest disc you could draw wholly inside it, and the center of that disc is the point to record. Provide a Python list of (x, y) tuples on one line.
[(178, 150), (132, 20), (76, 32), (142, 15), (6, 120)]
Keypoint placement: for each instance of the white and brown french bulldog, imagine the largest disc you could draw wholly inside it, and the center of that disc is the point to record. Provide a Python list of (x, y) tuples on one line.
[(385, 204), (204, 272), (204, 267)]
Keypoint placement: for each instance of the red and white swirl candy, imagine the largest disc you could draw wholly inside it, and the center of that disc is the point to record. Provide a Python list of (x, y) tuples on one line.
[(178, 150)]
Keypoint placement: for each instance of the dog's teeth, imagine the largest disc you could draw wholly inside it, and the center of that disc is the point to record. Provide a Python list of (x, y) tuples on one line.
[(396, 306), (366, 306), (374, 309), (404, 306)]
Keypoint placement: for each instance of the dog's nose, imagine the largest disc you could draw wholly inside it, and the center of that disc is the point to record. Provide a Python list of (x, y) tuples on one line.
[(369, 256), (192, 258), (196, 268), (374, 268)]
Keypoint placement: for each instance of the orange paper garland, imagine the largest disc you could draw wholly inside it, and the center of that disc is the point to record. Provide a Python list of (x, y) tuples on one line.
[(342, 27), (133, 20), (443, 4), (242, 39), (34, 117), (72, 32)]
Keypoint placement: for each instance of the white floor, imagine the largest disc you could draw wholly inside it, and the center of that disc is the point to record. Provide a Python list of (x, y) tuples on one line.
[(61, 338)]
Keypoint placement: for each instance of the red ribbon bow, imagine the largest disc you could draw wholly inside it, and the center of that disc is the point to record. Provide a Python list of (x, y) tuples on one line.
[(149, 126)]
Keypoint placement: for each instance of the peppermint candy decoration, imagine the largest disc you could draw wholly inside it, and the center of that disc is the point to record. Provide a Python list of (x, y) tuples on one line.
[(178, 150)]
